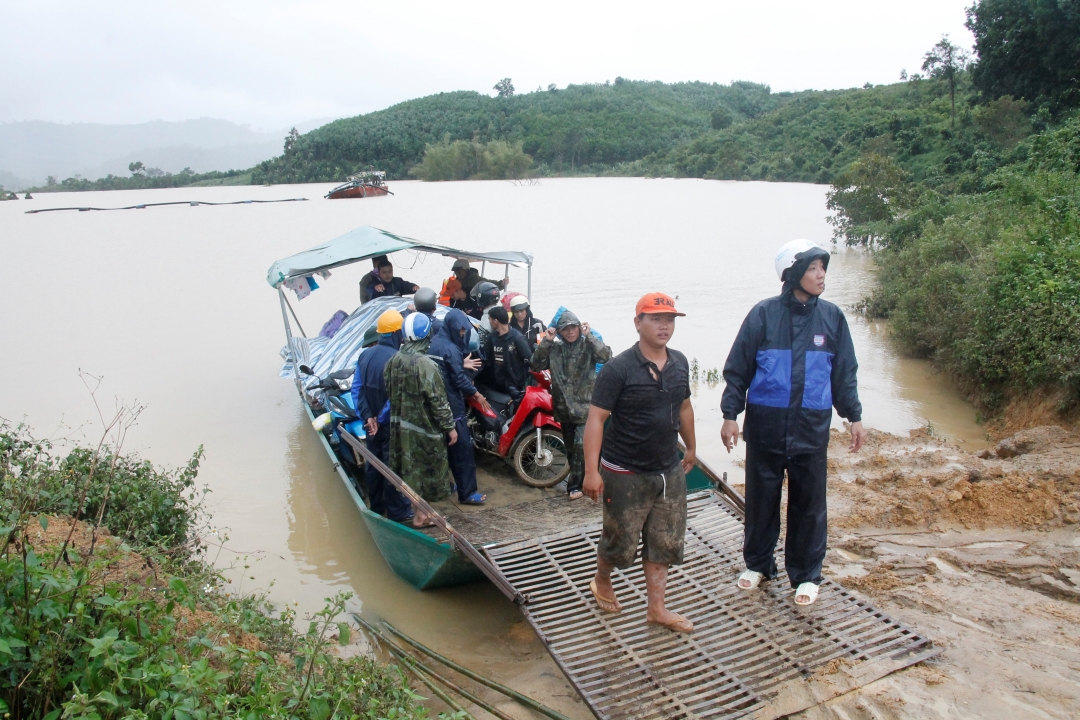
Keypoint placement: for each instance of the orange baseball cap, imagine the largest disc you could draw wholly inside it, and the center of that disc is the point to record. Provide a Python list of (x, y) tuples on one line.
[(655, 302), (452, 286)]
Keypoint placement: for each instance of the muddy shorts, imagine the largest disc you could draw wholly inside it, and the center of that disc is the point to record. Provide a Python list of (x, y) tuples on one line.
[(649, 508)]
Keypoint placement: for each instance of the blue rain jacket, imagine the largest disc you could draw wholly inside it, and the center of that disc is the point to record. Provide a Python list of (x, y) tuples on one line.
[(790, 365), (451, 348), (368, 389)]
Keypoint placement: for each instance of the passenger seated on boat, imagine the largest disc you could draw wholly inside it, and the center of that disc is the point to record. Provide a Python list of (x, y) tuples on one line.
[(507, 354), (371, 277), (388, 285)]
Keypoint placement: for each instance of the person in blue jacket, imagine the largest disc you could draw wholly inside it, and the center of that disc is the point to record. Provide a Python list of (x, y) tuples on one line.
[(791, 364), (373, 406), (450, 348)]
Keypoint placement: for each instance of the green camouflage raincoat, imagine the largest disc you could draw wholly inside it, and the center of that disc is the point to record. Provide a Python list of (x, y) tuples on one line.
[(573, 371), (420, 417)]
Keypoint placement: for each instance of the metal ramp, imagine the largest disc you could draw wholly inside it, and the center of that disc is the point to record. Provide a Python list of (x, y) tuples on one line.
[(752, 654)]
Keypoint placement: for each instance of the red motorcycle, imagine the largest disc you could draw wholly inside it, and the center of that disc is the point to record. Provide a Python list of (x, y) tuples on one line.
[(527, 436)]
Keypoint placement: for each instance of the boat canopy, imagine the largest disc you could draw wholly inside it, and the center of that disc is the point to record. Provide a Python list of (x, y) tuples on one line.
[(366, 242)]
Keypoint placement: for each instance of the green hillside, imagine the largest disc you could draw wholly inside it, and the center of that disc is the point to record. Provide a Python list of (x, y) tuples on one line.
[(586, 129)]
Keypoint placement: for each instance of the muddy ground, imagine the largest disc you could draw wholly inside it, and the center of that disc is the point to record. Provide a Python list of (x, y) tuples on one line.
[(979, 552)]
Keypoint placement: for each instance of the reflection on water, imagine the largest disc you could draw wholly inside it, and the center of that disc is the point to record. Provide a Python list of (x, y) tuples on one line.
[(171, 306)]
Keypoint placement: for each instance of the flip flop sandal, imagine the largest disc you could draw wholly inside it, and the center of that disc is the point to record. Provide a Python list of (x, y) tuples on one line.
[(806, 589), (474, 499), (576, 495), (682, 625), (607, 604), (753, 577), (427, 523)]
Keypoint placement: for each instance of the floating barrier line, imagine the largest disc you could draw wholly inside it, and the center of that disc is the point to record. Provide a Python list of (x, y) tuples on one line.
[(143, 206)]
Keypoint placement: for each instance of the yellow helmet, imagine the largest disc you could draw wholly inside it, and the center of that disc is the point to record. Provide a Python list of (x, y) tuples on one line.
[(390, 321)]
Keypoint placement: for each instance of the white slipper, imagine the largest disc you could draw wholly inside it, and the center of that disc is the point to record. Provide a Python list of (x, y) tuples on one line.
[(753, 577), (810, 590)]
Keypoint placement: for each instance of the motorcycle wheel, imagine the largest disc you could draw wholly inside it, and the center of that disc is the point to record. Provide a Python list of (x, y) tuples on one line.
[(553, 465)]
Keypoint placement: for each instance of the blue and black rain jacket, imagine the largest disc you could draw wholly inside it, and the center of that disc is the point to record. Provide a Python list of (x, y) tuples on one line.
[(451, 348), (791, 364)]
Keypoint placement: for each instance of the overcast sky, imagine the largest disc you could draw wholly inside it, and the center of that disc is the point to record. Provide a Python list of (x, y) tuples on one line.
[(271, 63)]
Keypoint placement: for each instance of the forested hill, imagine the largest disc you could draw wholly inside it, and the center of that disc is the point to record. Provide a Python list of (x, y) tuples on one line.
[(740, 131), (586, 129)]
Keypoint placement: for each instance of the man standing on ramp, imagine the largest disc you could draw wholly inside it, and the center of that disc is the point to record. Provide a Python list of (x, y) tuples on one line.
[(791, 363), (634, 464)]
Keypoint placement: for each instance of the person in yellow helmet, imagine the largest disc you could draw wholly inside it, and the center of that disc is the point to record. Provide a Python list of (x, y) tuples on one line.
[(372, 405)]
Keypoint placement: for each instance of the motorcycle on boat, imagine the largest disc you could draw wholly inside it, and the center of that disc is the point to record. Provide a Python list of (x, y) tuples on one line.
[(524, 434)]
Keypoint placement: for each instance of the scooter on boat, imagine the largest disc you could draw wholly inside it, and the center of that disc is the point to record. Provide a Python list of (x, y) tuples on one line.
[(331, 395), (526, 435)]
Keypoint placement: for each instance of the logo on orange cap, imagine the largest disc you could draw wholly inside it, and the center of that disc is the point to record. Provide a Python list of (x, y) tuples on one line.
[(654, 303)]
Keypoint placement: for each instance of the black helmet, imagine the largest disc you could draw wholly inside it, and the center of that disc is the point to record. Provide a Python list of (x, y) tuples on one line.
[(485, 294), (424, 300)]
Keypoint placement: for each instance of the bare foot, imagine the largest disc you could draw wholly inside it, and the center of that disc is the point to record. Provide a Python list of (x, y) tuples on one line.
[(672, 621), (423, 521), (605, 595)]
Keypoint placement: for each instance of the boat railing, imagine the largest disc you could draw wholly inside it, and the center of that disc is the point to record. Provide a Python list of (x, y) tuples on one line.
[(457, 540)]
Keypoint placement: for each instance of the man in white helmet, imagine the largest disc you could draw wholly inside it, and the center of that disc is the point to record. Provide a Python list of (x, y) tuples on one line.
[(791, 364)]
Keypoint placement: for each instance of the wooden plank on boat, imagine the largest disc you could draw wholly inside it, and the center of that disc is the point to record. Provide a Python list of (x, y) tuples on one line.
[(751, 654)]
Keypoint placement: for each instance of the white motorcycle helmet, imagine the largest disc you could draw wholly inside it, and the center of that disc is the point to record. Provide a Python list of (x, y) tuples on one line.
[(795, 251)]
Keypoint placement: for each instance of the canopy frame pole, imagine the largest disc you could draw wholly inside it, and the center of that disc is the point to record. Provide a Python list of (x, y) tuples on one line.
[(530, 283), (289, 305), (285, 315)]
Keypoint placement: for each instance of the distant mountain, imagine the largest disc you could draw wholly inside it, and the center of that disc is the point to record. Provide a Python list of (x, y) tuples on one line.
[(32, 150)]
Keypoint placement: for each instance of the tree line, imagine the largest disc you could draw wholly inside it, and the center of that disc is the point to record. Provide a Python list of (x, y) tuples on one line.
[(974, 211)]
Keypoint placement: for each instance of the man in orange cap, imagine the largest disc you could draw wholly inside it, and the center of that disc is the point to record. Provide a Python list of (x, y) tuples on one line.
[(634, 464)]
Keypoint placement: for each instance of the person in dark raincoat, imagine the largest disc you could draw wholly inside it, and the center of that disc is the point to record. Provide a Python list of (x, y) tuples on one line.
[(792, 362), (571, 353), (450, 347), (523, 320), (421, 422), (370, 399)]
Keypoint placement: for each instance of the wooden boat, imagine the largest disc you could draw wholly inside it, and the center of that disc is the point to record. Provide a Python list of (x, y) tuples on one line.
[(369, 183), (423, 560)]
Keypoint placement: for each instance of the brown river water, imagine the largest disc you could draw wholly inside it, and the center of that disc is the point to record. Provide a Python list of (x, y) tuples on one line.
[(170, 305)]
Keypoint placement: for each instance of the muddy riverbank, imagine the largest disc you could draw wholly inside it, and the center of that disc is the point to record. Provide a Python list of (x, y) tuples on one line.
[(978, 551)]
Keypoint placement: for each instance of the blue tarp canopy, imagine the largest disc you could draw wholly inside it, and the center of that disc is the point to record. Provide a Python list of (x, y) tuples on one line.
[(367, 242)]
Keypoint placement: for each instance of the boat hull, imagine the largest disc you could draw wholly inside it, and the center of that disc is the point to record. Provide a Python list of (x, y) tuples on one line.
[(416, 558), (359, 191)]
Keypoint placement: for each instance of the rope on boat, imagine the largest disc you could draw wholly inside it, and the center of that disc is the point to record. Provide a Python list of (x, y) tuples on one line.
[(457, 540), (510, 693), (143, 206), (418, 667)]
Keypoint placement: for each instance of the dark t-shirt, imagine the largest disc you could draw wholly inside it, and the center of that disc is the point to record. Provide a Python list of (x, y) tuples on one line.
[(643, 434)]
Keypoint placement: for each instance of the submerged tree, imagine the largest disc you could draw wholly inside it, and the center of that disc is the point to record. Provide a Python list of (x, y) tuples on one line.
[(945, 61)]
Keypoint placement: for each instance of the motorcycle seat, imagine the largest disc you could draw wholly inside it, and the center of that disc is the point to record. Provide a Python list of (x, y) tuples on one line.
[(494, 396)]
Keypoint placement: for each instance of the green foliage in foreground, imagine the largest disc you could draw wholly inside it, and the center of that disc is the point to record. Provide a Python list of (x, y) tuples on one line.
[(92, 630), (462, 160)]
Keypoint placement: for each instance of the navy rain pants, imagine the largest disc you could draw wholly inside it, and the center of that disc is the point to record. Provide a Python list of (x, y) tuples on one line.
[(462, 458), (383, 497), (807, 513)]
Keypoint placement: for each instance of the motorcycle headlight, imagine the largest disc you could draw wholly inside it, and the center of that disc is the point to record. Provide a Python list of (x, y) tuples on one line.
[(344, 384)]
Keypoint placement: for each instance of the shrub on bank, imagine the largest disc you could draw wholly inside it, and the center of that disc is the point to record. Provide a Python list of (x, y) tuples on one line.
[(135, 625), (991, 286)]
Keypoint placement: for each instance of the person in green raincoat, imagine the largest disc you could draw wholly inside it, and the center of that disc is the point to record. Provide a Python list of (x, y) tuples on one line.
[(571, 353), (421, 422)]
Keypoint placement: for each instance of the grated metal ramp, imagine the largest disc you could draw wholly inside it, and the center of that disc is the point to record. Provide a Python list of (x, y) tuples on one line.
[(752, 654)]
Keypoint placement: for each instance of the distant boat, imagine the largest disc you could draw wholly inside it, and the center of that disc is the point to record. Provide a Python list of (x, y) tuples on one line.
[(369, 183)]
